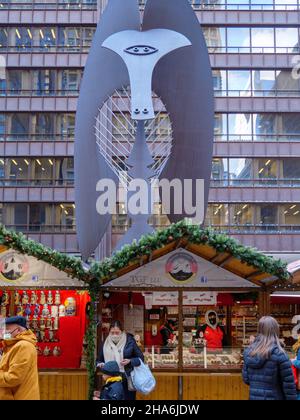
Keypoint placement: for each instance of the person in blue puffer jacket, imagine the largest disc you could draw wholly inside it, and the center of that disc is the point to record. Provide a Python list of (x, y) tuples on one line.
[(296, 363), (267, 368)]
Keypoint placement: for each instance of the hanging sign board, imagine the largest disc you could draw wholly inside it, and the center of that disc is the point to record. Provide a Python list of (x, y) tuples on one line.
[(18, 270), (181, 269)]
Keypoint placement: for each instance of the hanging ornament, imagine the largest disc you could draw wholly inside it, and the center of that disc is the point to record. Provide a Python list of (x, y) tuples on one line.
[(70, 305), (17, 298), (33, 299), (28, 310), (57, 298), (42, 298), (55, 324), (50, 298), (25, 298), (54, 311), (36, 311), (45, 311), (20, 310), (62, 310)]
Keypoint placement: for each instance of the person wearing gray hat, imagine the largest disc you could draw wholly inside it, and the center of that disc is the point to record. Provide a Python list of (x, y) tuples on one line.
[(113, 383)]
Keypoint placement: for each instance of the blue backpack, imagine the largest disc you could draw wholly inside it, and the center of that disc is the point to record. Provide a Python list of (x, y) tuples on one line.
[(142, 379)]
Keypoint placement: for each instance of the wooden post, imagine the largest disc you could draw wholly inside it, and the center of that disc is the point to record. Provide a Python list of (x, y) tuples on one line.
[(264, 302), (180, 343), (229, 325)]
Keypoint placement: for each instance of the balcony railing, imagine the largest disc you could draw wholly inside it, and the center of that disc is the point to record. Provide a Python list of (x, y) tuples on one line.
[(264, 138), (39, 92), (48, 5), (37, 137), (36, 182), (38, 228), (245, 5)]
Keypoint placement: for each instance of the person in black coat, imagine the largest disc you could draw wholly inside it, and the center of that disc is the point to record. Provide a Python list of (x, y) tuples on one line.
[(122, 348), (267, 368)]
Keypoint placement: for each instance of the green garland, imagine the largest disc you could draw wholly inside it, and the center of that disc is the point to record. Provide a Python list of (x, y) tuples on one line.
[(108, 268)]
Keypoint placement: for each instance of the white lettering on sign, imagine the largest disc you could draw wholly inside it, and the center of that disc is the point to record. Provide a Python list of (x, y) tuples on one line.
[(296, 329)]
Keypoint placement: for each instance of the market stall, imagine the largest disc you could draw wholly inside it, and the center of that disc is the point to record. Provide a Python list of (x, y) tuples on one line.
[(54, 305), (184, 281)]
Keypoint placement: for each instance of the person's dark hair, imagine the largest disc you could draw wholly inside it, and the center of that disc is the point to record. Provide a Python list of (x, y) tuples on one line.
[(171, 322), (116, 324)]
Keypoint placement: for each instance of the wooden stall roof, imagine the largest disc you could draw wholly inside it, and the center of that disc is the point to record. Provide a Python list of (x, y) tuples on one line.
[(230, 258)]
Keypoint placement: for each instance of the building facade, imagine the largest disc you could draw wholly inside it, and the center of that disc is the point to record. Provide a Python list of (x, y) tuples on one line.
[(254, 51)]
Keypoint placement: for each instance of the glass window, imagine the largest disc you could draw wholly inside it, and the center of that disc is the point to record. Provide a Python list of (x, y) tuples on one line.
[(15, 80), (287, 84), (67, 125), (267, 216), (64, 171), (264, 126), (287, 40), (37, 216), (3, 37), (290, 216), (220, 82), (288, 124), (43, 126), (217, 215), (23, 37), (290, 171), (2, 168), (87, 36), (264, 82), (240, 127), (239, 82), (266, 170), (47, 37), (71, 80), (16, 216), (219, 172), (220, 128), (17, 171), (69, 37), (65, 216), (2, 126), (241, 216), (44, 82), (238, 40), (262, 40), (42, 171), (215, 38), (20, 125), (240, 172)]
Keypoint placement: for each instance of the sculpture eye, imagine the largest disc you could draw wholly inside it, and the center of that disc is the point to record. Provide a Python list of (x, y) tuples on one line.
[(141, 50)]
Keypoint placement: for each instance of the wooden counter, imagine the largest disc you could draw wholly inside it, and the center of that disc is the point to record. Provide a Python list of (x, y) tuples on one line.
[(73, 385)]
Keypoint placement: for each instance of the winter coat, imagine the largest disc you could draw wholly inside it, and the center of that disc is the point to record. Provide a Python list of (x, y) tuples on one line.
[(134, 354), (19, 378), (269, 379), (113, 390)]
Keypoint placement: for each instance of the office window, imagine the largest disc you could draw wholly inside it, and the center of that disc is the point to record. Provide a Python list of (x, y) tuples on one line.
[(262, 40), (47, 37), (2, 168), (240, 127), (23, 37), (15, 80), (219, 172), (65, 217), (264, 125), (239, 82), (290, 216), (3, 37), (64, 171), (290, 171), (67, 125), (238, 40), (266, 170), (69, 37), (240, 172), (20, 125), (220, 127), (17, 171), (241, 216), (2, 126), (215, 38), (268, 217), (43, 125), (44, 82), (42, 171), (16, 216), (37, 216), (264, 82), (287, 40), (71, 80), (287, 84), (217, 215)]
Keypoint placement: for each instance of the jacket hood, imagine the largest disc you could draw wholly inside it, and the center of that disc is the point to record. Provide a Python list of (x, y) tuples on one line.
[(256, 362), (25, 336)]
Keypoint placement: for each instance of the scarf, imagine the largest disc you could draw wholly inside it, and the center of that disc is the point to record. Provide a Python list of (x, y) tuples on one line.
[(115, 352)]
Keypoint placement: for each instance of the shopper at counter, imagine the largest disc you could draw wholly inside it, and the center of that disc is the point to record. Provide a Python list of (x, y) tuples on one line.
[(267, 368), (168, 338), (18, 365), (122, 348)]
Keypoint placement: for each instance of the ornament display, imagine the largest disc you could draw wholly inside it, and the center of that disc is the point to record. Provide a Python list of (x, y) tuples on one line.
[(56, 351), (70, 305), (55, 323), (5, 299), (20, 311), (36, 311), (47, 351), (28, 310)]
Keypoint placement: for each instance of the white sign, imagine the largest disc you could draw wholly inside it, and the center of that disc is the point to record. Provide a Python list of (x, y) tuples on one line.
[(200, 298)]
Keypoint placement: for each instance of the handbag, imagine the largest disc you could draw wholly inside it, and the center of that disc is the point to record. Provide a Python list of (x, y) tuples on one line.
[(142, 379), (130, 385)]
